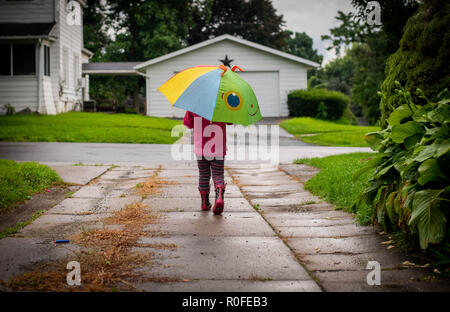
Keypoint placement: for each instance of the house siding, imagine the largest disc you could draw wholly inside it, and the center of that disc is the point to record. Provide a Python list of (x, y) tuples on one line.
[(25, 86), (37, 11), (24, 91), (70, 37), (292, 75)]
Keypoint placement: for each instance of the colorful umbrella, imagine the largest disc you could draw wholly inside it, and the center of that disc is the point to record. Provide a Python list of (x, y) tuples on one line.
[(215, 93)]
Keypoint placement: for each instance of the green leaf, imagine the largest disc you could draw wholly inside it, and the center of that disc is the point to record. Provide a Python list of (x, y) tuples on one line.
[(400, 113), (421, 114), (401, 132), (409, 172), (374, 139), (372, 163), (436, 149), (390, 206), (429, 219), (440, 114), (429, 171), (383, 171), (412, 140)]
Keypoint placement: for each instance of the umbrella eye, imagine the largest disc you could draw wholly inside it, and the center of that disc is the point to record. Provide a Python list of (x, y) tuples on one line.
[(233, 100)]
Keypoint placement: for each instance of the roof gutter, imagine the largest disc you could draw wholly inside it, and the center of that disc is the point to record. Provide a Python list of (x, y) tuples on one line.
[(50, 38), (142, 74)]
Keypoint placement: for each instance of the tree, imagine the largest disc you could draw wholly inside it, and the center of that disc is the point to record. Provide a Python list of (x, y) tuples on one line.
[(254, 20), (373, 45), (355, 29), (94, 32), (338, 74), (368, 74), (145, 30), (423, 58), (300, 44)]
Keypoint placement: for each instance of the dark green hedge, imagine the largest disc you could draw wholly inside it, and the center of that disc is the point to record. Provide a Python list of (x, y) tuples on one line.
[(306, 103), (423, 58)]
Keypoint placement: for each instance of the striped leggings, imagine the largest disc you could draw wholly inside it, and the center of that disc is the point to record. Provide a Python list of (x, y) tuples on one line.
[(205, 168)]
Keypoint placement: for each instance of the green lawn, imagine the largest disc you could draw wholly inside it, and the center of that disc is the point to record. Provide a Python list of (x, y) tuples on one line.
[(328, 133), (87, 127), (18, 181), (334, 181)]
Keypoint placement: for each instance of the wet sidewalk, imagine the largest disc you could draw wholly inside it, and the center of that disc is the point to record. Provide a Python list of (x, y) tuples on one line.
[(188, 250), (273, 235), (329, 243)]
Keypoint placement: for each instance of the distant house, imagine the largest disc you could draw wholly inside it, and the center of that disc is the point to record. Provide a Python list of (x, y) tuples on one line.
[(271, 73), (41, 55)]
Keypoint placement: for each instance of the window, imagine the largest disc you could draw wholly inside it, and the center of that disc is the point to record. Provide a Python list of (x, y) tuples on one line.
[(24, 59), (5, 59), (66, 67), (46, 60)]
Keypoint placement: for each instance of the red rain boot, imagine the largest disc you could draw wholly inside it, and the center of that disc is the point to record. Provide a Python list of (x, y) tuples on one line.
[(205, 200), (219, 204)]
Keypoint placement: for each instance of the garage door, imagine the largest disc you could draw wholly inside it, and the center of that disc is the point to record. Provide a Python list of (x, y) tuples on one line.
[(266, 87)]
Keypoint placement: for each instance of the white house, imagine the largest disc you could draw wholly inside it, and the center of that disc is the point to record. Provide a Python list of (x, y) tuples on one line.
[(271, 73), (41, 54)]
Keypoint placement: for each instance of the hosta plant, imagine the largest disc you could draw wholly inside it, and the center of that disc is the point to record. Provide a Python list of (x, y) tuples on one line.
[(410, 186)]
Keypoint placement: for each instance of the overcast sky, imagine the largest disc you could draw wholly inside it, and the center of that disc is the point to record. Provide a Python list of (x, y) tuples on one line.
[(315, 17)]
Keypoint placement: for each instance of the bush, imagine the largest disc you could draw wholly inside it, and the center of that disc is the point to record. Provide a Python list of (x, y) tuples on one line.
[(409, 189), (423, 58), (307, 103), (348, 118)]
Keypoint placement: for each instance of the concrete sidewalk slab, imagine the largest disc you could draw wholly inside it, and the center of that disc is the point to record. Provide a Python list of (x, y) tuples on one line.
[(19, 254), (245, 258), (331, 245), (232, 286), (191, 190), (193, 204), (293, 219), (205, 223), (78, 174)]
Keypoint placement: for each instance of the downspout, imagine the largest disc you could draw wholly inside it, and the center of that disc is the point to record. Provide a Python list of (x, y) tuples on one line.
[(39, 73), (147, 77)]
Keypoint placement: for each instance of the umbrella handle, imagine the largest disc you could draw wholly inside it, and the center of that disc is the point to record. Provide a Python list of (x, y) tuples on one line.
[(236, 67)]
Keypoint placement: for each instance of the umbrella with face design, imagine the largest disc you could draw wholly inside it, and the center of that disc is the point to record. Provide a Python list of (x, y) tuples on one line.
[(215, 93)]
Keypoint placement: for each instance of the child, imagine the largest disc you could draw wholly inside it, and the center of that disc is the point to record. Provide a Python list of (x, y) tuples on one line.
[(210, 149)]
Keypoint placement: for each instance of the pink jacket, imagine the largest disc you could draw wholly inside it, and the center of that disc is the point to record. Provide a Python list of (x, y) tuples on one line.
[(210, 138)]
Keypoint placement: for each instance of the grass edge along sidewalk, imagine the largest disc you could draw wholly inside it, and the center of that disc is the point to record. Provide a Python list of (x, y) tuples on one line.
[(328, 133), (334, 181), (19, 181), (87, 128)]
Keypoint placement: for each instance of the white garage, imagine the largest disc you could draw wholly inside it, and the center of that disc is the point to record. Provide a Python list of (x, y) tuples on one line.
[(271, 73)]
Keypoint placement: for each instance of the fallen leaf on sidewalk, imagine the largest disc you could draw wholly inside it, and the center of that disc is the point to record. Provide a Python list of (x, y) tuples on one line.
[(390, 247), (408, 263), (382, 233), (187, 280), (317, 249), (387, 242)]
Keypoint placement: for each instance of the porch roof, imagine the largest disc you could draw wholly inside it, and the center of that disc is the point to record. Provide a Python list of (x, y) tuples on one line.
[(17, 30), (110, 68)]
